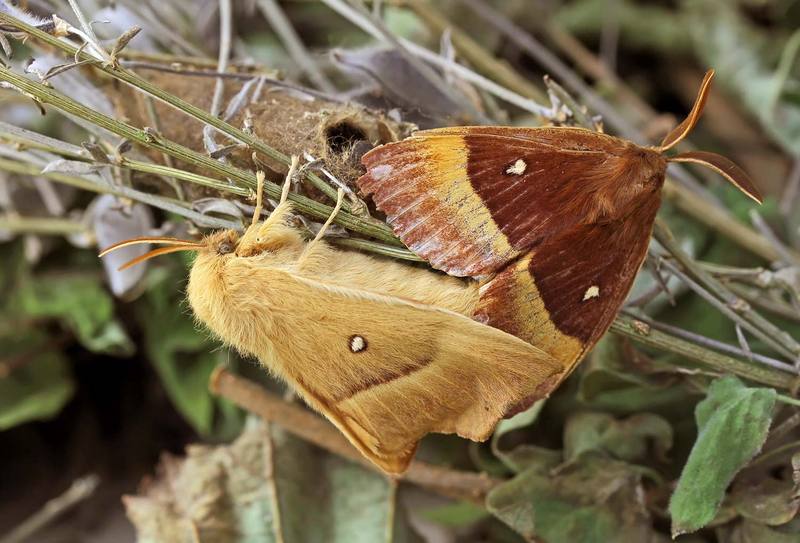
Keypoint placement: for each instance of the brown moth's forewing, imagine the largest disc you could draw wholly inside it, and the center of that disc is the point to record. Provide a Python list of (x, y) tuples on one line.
[(561, 217)]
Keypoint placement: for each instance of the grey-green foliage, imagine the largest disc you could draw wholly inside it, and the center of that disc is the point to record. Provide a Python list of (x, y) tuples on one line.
[(732, 421), (266, 487), (39, 385)]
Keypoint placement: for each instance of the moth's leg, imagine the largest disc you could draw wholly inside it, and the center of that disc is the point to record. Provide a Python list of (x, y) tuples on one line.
[(273, 232), (284, 207), (314, 242)]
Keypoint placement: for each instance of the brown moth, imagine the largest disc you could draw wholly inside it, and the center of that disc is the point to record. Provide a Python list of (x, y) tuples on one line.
[(556, 220), (385, 351)]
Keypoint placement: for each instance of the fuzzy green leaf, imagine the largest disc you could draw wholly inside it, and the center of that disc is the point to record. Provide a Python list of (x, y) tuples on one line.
[(81, 303), (268, 487), (39, 387), (597, 500), (627, 439), (732, 422)]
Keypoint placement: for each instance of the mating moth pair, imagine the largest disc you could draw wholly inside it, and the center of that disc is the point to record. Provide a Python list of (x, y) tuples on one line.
[(553, 224)]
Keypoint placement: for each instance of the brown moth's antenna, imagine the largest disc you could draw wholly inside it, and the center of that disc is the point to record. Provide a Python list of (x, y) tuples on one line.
[(682, 130), (140, 241), (723, 166), (157, 252), (174, 245)]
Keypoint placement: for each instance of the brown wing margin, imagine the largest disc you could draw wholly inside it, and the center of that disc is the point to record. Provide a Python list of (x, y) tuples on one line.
[(471, 200)]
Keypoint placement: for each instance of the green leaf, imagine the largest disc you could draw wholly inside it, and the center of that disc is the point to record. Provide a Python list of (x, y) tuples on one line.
[(183, 355), (732, 423), (610, 381), (38, 387), (81, 303), (629, 439), (456, 514), (749, 531), (597, 500), (266, 487), (767, 500), (507, 426)]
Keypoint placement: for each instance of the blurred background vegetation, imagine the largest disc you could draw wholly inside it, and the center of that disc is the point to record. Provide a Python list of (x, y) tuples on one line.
[(683, 419)]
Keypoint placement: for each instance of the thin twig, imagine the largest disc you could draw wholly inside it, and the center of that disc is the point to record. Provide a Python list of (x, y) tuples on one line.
[(711, 343), (225, 38), (304, 424), (282, 26), (742, 312), (40, 225), (197, 113), (366, 226), (368, 25), (80, 490), (717, 361), (472, 51)]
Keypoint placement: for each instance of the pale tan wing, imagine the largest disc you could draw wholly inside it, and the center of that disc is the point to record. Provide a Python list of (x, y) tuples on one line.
[(388, 371)]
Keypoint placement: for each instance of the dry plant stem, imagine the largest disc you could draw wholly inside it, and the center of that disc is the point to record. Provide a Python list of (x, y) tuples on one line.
[(159, 202), (145, 86), (375, 27), (719, 362), (170, 59), (758, 299), (369, 26), (266, 78), (153, 116), (303, 204), (786, 252), (748, 318), (725, 308), (306, 425), (710, 343), (225, 37), (720, 220), (40, 225), (776, 452), (33, 140), (472, 51), (294, 45), (80, 490)]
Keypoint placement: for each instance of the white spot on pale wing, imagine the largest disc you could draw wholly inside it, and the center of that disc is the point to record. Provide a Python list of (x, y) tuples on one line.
[(357, 344), (518, 168), (591, 292)]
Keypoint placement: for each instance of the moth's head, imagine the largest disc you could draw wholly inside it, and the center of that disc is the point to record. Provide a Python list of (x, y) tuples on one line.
[(718, 163), (220, 243)]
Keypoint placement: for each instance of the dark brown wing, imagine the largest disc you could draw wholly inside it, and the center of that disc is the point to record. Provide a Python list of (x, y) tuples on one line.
[(564, 295), (471, 199), (561, 216)]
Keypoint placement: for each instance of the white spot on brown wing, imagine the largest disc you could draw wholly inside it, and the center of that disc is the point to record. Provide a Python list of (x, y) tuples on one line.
[(381, 171), (357, 344), (518, 168), (591, 292)]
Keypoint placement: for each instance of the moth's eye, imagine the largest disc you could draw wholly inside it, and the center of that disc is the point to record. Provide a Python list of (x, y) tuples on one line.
[(225, 248)]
